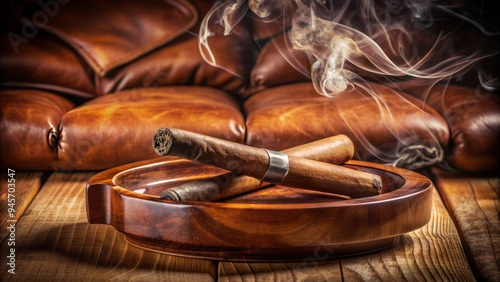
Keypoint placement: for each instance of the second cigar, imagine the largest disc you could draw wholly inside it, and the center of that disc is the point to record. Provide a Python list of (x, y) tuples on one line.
[(260, 163), (336, 149)]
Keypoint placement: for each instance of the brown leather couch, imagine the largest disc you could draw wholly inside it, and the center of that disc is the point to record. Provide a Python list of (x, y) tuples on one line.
[(86, 84)]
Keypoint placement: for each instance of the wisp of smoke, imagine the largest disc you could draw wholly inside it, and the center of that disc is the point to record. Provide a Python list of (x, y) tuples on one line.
[(223, 15), (350, 42), (331, 44), (330, 33)]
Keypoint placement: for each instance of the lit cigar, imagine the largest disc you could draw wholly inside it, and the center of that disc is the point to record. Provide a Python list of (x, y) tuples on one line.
[(337, 149), (266, 165)]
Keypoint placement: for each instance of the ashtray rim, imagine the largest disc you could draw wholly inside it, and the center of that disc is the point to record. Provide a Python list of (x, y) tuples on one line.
[(257, 231), (393, 195)]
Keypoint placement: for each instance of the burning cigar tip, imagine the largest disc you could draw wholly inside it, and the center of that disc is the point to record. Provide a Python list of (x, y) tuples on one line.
[(162, 141)]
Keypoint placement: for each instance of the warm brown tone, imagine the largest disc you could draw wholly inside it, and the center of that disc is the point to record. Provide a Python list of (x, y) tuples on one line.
[(132, 69), (86, 84), (54, 235), (44, 111), (336, 150), (105, 55), (474, 202), (138, 113), (254, 162), (278, 223), (377, 121), (473, 117)]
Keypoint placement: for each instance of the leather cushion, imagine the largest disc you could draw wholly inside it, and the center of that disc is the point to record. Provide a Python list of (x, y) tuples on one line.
[(180, 63), (270, 18), (111, 33), (388, 127), (279, 64), (62, 68), (118, 128), (440, 49), (29, 122), (57, 68), (474, 119)]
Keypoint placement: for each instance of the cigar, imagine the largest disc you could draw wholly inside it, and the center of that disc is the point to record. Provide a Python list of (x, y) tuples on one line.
[(266, 165), (336, 149)]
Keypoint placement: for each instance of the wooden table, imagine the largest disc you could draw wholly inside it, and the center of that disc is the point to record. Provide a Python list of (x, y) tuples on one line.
[(53, 241)]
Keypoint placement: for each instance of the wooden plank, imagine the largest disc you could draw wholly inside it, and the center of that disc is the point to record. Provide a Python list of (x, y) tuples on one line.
[(23, 189), (55, 242), (431, 253), (474, 203), (299, 271)]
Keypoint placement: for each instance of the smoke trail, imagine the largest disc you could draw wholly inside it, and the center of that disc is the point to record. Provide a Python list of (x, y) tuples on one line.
[(350, 43), (339, 34), (332, 44), (487, 81), (267, 10), (224, 15)]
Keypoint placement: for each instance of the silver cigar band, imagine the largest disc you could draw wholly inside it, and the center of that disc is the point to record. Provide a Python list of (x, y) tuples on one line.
[(278, 167)]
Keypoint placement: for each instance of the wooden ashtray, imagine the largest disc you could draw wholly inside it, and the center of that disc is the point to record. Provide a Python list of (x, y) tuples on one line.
[(271, 224)]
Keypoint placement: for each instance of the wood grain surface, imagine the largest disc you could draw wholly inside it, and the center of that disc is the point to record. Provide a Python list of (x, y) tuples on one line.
[(271, 224), (474, 203), (27, 185), (54, 242), (431, 253)]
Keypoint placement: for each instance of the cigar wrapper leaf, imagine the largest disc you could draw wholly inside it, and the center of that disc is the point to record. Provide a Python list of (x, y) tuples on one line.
[(336, 149), (246, 160)]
